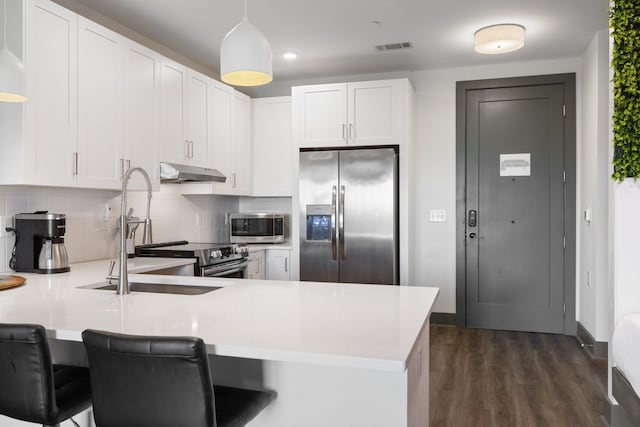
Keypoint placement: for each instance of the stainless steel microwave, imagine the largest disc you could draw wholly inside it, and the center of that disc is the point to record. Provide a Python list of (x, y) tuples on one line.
[(256, 228)]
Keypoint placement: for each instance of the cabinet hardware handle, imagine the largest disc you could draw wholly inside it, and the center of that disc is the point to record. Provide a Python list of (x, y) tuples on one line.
[(186, 148), (233, 175), (122, 168), (286, 268), (191, 144), (351, 131), (75, 163), (128, 164), (334, 248), (344, 132), (343, 252)]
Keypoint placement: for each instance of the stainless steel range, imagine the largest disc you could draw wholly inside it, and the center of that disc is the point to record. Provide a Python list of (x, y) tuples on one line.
[(212, 259)]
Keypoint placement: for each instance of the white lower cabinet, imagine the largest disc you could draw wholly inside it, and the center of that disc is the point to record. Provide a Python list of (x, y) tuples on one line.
[(278, 264), (256, 267)]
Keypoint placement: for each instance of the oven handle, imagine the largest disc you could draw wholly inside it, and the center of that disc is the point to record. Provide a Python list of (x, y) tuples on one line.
[(224, 270)]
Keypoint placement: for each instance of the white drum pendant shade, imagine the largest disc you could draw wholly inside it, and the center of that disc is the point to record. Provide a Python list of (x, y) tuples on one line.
[(245, 56), (12, 80), (12, 75), (501, 38)]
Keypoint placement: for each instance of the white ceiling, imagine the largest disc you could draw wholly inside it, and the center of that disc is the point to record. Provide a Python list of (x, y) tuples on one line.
[(336, 37)]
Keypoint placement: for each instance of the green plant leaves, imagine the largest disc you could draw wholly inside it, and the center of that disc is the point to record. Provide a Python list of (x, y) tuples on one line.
[(624, 20)]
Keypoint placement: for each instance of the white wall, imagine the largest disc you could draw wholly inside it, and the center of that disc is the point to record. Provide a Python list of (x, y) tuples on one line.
[(594, 176), (433, 260), (435, 146), (89, 236)]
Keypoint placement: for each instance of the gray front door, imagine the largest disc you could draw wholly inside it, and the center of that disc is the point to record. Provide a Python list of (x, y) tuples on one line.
[(514, 219)]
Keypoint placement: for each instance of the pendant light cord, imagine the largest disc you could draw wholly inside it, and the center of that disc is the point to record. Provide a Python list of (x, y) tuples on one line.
[(4, 23), (245, 10)]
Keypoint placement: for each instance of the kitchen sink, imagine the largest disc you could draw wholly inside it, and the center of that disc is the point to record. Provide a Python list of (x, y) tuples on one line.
[(158, 288)]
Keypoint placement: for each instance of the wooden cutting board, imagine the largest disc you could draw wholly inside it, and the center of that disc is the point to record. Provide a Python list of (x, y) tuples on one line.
[(8, 282)]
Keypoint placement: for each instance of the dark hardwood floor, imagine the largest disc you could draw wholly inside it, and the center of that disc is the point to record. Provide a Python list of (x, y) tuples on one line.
[(497, 378)]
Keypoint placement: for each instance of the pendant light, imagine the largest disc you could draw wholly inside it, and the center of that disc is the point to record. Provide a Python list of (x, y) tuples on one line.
[(12, 79), (501, 38), (245, 55)]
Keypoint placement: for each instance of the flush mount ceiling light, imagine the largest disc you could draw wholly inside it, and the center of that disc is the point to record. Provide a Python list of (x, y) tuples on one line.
[(12, 79), (501, 38), (245, 55)]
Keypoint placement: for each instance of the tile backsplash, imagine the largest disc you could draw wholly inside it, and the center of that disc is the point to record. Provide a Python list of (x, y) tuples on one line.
[(91, 232)]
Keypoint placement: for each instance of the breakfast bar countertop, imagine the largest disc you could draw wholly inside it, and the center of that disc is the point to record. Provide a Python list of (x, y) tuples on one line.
[(362, 326)]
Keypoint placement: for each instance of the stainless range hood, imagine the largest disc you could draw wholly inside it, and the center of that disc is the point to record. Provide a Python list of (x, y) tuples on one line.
[(174, 173)]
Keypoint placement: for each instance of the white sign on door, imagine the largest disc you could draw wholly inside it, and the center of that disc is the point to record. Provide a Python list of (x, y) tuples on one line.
[(518, 164)]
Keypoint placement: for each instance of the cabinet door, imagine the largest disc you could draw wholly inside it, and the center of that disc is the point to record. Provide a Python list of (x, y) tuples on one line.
[(272, 148), (100, 59), (141, 78), (51, 64), (241, 144), (320, 115), (255, 269), (198, 111), (375, 112), (278, 264), (173, 104), (220, 125)]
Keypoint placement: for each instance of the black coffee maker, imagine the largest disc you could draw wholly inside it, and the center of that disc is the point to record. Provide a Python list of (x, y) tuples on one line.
[(40, 243)]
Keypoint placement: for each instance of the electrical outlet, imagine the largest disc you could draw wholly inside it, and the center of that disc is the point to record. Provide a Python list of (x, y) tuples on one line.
[(6, 221)]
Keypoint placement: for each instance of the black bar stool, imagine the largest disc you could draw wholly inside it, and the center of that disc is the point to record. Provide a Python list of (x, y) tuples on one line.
[(32, 388), (162, 381)]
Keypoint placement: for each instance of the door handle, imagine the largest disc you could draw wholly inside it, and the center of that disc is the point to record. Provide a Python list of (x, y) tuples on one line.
[(334, 248), (472, 235), (473, 218), (343, 252)]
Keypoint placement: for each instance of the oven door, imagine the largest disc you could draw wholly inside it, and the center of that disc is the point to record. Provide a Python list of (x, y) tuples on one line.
[(236, 269)]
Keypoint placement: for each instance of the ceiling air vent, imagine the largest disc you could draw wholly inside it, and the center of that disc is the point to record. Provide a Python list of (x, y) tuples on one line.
[(393, 46)]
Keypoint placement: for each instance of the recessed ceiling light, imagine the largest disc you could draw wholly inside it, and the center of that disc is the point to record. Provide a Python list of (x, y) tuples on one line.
[(289, 55), (501, 38)]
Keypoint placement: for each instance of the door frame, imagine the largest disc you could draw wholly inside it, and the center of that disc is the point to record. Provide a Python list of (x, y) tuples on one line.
[(569, 82)]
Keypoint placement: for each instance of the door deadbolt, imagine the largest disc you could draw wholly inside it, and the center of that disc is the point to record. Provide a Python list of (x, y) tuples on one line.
[(472, 235), (473, 218)]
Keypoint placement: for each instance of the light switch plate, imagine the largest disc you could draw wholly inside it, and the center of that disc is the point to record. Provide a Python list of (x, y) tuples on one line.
[(588, 215), (437, 215)]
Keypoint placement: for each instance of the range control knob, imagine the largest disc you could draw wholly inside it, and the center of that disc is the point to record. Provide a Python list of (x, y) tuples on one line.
[(241, 250), (216, 254)]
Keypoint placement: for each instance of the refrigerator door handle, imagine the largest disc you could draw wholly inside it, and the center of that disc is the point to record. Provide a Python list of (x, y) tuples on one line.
[(334, 249), (343, 253)]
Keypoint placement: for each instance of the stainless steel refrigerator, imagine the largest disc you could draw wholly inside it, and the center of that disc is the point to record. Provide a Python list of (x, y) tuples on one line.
[(349, 215)]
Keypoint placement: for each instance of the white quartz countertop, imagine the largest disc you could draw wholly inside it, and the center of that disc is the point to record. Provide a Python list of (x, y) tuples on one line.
[(366, 326)]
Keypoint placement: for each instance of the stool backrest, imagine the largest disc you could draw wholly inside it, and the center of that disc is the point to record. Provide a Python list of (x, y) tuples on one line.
[(149, 381), (26, 373)]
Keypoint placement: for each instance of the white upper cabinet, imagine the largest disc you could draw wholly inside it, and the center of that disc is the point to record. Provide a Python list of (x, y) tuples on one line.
[(185, 110), (174, 145), (361, 113), (272, 148), (241, 145), (141, 107), (100, 125), (51, 138), (220, 122), (198, 120), (230, 128), (320, 115), (93, 107)]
